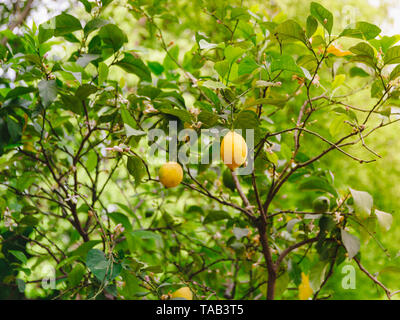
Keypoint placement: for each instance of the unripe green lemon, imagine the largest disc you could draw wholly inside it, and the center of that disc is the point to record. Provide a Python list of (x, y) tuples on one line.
[(184, 293), (170, 174), (228, 180), (321, 204), (233, 150)]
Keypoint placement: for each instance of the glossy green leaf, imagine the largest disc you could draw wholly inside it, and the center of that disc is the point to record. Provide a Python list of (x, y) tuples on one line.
[(290, 30), (324, 16), (136, 66), (66, 23)]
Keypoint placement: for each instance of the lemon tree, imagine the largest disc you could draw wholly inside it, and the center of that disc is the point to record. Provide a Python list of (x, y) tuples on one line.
[(96, 99)]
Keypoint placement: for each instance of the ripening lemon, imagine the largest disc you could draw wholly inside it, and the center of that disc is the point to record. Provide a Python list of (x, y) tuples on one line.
[(184, 293), (170, 174), (233, 150)]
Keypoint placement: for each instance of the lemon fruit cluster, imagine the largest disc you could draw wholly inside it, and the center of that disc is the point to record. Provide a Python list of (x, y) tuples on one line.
[(170, 174), (233, 154), (233, 150)]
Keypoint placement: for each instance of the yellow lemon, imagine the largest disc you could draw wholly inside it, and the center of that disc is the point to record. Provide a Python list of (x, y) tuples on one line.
[(233, 150), (170, 174), (305, 290), (183, 292)]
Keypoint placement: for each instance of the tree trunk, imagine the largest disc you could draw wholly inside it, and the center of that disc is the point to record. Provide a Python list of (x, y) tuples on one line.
[(262, 229)]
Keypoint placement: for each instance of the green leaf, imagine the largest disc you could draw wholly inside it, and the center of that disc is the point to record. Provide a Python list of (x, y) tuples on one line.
[(324, 16), (395, 73), (46, 31), (216, 215), (317, 274), (358, 72), (363, 59), (127, 118), (146, 235), (66, 262), (14, 130), (133, 132), (102, 268), (338, 81), (385, 219), (136, 66), (285, 62), (214, 84), (183, 115), (87, 5), (222, 67), (29, 221), (19, 91), (233, 53), (247, 66), (246, 119), (363, 202), (85, 91), (65, 23), (155, 67), (239, 14), (361, 30), (290, 30), (93, 25), (351, 243), (92, 159), (363, 49), (393, 55), (72, 103), (377, 89), (154, 269), (103, 73), (105, 3), (76, 275), (281, 284), (113, 36), (118, 217), (47, 91), (131, 287), (84, 248), (136, 168), (208, 118), (169, 60), (19, 255), (385, 42), (311, 26), (86, 58), (317, 184)]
